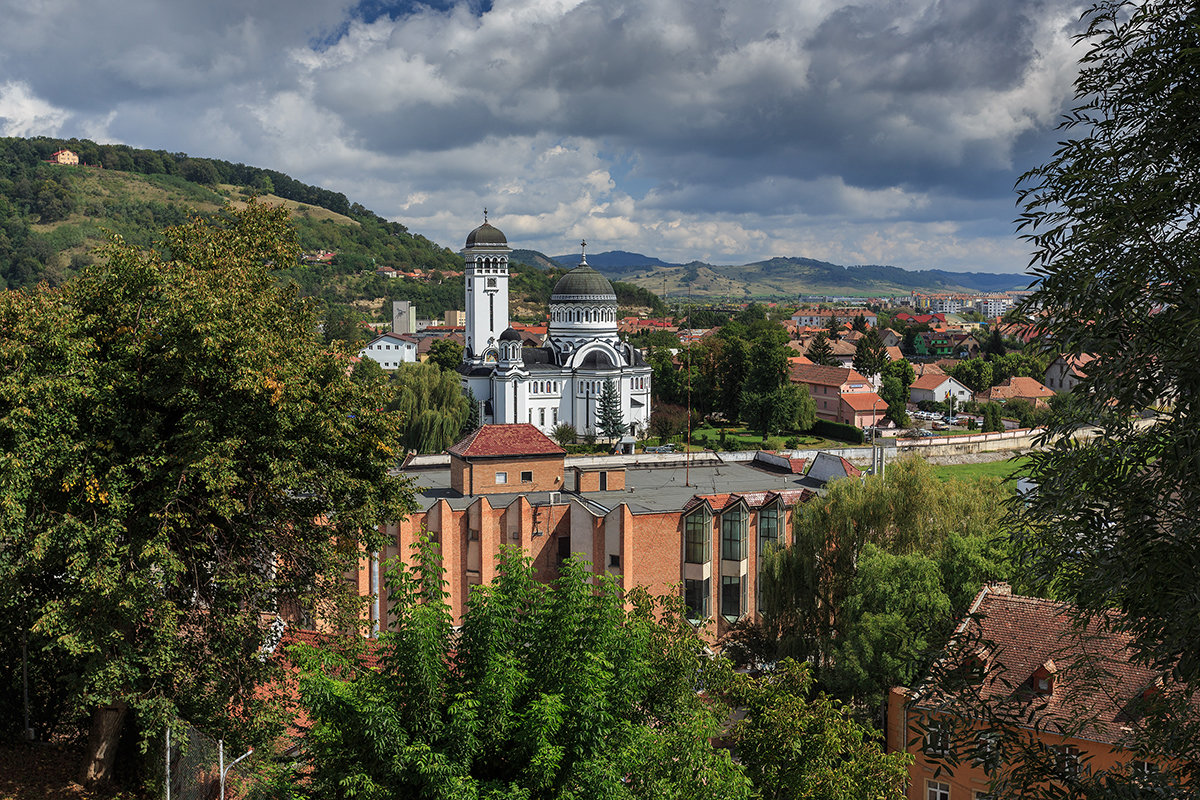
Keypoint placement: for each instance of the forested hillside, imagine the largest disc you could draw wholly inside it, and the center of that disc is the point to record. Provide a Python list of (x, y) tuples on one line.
[(53, 216)]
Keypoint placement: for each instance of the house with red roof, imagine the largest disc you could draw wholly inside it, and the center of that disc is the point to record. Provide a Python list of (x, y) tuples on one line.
[(1018, 387), (390, 350), (935, 387), (1076, 693), (830, 386), (506, 458)]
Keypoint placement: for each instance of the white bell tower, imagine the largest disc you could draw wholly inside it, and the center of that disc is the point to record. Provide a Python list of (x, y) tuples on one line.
[(486, 285)]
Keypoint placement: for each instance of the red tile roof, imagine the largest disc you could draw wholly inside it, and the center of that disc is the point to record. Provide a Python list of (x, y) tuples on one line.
[(1019, 386), (864, 401), (490, 441), (1017, 637), (930, 381), (825, 376)]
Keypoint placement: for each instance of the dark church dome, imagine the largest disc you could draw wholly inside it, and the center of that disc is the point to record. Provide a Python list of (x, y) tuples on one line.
[(486, 235), (583, 280)]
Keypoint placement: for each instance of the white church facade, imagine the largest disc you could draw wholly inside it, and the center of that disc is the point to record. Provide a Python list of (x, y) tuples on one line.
[(562, 380)]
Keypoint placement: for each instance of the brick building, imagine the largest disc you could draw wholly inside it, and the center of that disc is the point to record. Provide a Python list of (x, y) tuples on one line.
[(840, 394), (699, 531), (1022, 656)]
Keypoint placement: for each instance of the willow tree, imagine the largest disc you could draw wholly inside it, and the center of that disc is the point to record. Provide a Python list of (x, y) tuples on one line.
[(432, 406), (181, 458), (813, 596)]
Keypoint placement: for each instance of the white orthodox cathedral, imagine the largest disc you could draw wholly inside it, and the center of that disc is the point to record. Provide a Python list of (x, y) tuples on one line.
[(560, 381)]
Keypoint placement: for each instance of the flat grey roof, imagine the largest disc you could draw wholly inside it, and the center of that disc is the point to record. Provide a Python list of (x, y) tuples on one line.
[(647, 489)]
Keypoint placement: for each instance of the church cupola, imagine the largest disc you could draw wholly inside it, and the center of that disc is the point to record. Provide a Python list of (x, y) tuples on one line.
[(486, 285), (583, 306)]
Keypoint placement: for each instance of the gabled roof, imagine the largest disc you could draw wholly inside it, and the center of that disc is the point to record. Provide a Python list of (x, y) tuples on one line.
[(396, 337), (864, 401), (720, 502), (826, 376), (932, 381), (1023, 637), (491, 441), (1019, 386)]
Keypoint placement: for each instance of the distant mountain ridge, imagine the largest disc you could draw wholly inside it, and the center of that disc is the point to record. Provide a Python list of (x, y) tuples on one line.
[(783, 277)]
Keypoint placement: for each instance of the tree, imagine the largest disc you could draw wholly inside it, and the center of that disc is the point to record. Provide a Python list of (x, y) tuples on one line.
[(859, 323), (975, 374), (870, 356), (733, 362), (794, 745), (562, 691), (1111, 220), (434, 411), (608, 415), (191, 459), (447, 354), (818, 605), (344, 324), (994, 346), (667, 420), (835, 328), (564, 433), (893, 393), (820, 352), (474, 417)]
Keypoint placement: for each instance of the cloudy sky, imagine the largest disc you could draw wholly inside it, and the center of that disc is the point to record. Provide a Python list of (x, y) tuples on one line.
[(888, 131)]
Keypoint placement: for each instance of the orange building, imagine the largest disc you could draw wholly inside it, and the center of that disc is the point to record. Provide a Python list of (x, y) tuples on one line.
[(64, 157), (699, 530), (1022, 656)]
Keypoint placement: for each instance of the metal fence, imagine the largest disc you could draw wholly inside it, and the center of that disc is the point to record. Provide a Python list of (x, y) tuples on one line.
[(199, 768)]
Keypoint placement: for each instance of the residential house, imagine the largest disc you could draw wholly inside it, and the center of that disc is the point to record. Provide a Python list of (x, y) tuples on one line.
[(1023, 657), (1018, 387), (391, 350), (67, 158), (1066, 371), (890, 338), (935, 388), (830, 386)]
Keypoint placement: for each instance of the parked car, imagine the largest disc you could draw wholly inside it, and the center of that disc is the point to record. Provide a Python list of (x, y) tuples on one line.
[(939, 425)]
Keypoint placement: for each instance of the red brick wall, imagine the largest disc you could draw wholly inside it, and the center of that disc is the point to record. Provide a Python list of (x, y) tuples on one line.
[(477, 476)]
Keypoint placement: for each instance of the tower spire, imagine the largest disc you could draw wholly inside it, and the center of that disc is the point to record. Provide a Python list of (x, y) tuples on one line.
[(582, 252), (485, 215)]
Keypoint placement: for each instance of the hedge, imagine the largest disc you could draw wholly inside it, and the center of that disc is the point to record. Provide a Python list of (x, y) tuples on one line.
[(838, 430)]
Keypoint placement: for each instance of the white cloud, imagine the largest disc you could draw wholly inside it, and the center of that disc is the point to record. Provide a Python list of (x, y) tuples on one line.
[(23, 114)]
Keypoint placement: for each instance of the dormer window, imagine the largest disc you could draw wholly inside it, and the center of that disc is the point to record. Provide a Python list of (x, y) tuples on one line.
[(1042, 680)]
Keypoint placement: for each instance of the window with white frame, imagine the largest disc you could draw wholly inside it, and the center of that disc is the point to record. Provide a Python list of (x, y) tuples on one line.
[(501, 477), (937, 790)]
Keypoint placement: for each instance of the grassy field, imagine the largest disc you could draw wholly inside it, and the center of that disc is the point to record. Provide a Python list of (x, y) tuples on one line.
[(996, 469)]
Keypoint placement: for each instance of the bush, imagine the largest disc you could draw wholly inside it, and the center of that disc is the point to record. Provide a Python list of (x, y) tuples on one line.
[(838, 430)]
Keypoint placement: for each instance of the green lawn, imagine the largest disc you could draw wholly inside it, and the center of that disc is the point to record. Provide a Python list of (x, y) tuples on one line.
[(996, 469)]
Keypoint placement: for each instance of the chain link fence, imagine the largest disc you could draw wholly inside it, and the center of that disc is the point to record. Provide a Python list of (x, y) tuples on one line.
[(194, 762)]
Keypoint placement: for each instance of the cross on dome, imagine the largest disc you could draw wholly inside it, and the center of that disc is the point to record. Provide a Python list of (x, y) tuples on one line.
[(583, 251)]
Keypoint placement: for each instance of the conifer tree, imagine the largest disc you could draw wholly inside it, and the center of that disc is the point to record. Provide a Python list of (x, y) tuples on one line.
[(820, 352), (609, 416)]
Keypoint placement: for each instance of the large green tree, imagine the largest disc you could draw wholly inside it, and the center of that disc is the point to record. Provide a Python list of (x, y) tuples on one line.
[(608, 414), (1113, 222), (181, 457), (567, 690), (820, 352), (433, 409), (861, 629)]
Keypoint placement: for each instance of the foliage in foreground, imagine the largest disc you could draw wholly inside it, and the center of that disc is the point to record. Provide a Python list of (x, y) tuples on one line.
[(179, 456), (567, 690)]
